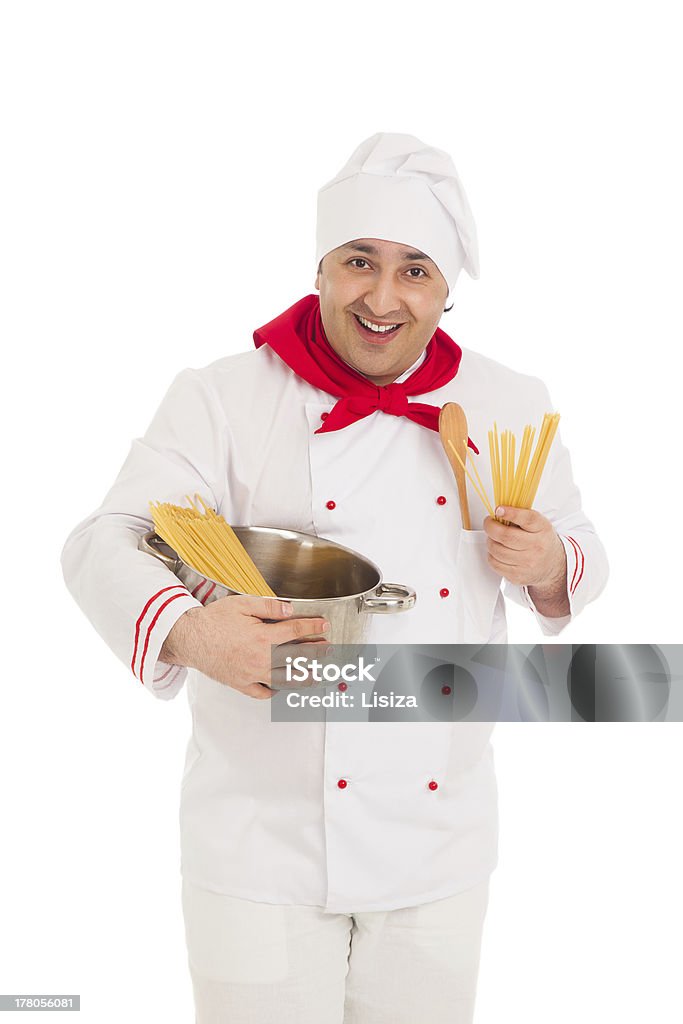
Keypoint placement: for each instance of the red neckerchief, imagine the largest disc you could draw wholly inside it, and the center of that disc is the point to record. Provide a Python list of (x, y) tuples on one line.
[(298, 337)]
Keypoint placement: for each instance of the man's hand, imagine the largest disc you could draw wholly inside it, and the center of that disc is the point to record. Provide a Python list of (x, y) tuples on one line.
[(229, 641), (530, 554)]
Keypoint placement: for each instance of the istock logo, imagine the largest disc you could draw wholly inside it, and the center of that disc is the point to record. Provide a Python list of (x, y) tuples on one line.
[(299, 670)]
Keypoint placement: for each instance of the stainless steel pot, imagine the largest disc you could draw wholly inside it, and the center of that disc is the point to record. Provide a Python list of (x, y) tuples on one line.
[(318, 577)]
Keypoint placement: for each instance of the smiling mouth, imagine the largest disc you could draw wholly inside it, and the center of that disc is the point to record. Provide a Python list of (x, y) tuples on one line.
[(377, 333)]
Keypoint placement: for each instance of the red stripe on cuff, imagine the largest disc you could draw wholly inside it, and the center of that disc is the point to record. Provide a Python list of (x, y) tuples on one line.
[(141, 617), (169, 669), (174, 669), (578, 551), (151, 627), (204, 598), (576, 562), (579, 555)]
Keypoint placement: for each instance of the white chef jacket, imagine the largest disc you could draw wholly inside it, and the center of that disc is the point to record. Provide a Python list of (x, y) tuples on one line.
[(262, 814)]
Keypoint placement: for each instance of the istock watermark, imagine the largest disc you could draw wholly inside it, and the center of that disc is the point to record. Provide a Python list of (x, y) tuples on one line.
[(301, 670), (472, 683)]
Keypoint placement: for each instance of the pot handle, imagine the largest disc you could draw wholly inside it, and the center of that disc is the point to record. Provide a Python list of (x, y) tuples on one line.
[(152, 544), (389, 597)]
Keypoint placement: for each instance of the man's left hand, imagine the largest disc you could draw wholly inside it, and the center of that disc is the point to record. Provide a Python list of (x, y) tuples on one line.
[(529, 552)]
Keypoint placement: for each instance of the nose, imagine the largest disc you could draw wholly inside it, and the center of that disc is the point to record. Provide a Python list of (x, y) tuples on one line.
[(382, 299)]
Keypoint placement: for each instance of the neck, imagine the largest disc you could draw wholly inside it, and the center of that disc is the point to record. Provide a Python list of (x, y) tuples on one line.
[(389, 378), (381, 382)]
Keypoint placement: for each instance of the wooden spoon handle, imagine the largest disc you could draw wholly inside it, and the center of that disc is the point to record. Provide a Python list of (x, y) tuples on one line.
[(464, 506), (453, 429)]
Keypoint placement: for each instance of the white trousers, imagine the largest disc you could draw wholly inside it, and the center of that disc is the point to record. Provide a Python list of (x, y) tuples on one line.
[(259, 963)]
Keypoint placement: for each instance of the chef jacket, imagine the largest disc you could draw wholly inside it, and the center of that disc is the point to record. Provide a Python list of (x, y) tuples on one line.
[(343, 815)]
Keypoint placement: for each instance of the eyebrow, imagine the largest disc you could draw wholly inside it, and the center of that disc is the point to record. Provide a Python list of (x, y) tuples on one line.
[(371, 250)]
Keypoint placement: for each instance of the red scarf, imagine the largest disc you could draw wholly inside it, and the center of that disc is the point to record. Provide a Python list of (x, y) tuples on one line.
[(298, 337)]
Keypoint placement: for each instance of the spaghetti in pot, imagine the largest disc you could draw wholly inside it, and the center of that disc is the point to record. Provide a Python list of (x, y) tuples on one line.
[(208, 544)]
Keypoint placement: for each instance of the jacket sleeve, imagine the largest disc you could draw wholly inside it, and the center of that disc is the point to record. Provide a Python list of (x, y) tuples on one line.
[(130, 597), (558, 498)]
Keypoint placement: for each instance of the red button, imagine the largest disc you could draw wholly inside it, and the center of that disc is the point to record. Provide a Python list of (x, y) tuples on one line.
[(446, 690), (324, 415), (343, 686), (444, 592), (441, 500), (433, 785), (331, 505), (342, 783)]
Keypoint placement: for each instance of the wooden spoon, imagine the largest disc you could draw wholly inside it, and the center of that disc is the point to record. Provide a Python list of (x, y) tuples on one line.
[(453, 428)]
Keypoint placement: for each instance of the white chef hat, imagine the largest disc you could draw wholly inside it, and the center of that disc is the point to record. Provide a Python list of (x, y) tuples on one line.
[(396, 188)]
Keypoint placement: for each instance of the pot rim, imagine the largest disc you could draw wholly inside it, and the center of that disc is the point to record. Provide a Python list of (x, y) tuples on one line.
[(288, 534)]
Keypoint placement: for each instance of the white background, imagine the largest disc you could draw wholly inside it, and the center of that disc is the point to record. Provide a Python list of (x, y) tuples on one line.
[(160, 169)]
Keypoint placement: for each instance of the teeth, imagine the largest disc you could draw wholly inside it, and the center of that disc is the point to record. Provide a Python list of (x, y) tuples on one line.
[(379, 329)]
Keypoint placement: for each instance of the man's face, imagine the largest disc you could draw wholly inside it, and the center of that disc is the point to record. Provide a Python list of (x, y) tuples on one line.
[(385, 283)]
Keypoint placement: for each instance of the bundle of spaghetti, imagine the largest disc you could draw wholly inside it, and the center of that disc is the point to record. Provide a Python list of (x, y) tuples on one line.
[(514, 485), (207, 543)]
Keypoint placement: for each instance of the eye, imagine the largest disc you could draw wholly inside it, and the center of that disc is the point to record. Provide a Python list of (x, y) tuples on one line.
[(358, 259), (421, 269)]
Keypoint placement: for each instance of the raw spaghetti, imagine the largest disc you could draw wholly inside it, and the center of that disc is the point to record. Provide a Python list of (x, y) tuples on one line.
[(513, 485), (207, 543)]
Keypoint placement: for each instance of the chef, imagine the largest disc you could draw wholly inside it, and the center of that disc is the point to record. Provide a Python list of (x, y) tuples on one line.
[(339, 871)]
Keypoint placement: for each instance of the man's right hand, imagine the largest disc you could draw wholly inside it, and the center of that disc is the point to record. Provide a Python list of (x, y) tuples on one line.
[(229, 641)]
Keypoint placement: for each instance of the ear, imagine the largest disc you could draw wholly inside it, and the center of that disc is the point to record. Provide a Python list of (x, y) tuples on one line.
[(317, 282)]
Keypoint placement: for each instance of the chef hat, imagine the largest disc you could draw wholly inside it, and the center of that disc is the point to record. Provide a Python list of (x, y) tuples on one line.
[(396, 188)]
